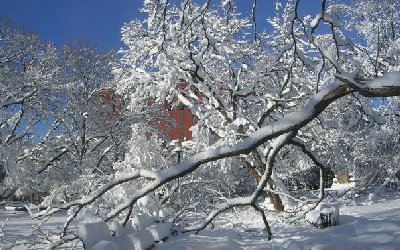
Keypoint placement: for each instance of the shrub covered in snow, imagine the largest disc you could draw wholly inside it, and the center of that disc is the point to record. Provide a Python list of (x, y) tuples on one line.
[(96, 235), (105, 245), (159, 231), (141, 221), (141, 239), (93, 232), (119, 230), (124, 242)]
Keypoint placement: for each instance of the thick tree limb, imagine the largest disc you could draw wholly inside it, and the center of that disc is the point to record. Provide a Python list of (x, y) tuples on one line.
[(249, 200), (383, 86), (289, 123)]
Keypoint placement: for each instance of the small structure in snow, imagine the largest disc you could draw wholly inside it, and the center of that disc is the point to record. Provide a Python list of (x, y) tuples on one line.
[(391, 183), (324, 216), (397, 174), (341, 178)]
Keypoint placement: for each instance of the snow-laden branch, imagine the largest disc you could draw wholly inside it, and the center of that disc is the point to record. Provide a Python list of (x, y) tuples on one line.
[(384, 86), (99, 192), (289, 123), (8, 101), (249, 200)]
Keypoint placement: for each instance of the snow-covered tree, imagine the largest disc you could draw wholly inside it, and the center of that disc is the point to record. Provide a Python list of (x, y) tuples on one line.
[(27, 67), (86, 131), (252, 95), (61, 120)]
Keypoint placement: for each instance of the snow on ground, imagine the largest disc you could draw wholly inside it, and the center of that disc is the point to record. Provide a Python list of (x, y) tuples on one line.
[(362, 226), (18, 226)]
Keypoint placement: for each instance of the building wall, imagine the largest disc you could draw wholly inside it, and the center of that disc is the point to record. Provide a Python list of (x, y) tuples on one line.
[(110, 98), (184, 121), (181, 115)]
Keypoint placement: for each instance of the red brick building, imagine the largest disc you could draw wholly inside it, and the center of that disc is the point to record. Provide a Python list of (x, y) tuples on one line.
[(182, 117), (110, 97)]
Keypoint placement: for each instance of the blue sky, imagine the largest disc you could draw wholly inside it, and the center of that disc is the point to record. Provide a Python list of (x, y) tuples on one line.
[(62, 21)]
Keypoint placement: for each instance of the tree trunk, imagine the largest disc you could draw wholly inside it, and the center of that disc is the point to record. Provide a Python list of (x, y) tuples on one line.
[(274, 198)]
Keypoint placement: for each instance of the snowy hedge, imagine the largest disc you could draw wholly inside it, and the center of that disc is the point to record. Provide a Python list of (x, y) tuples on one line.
[(99, 236)]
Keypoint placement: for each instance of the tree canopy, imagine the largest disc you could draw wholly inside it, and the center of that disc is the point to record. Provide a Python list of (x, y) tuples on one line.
[(301, 95)]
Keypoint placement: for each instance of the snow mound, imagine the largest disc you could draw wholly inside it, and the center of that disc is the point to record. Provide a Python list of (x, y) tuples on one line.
[(141, 221), (159, 231), (141, 239), (124, 243), (314, 217), (119, 230), (105, 245), (93, 232)]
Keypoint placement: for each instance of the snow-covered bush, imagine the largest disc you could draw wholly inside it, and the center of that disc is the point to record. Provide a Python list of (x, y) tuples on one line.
[(104, 245), (141, 239), (159, 231), (93, 232), (96, 235)]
